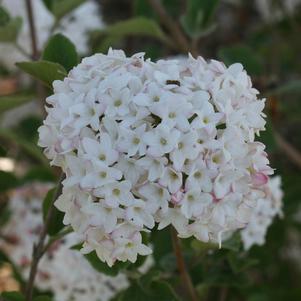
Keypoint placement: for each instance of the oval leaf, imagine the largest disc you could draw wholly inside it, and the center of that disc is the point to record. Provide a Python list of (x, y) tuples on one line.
[(56, 223), (44, 71), (61, 50)]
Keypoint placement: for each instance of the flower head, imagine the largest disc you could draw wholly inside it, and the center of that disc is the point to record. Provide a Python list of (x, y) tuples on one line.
[(171, 142)]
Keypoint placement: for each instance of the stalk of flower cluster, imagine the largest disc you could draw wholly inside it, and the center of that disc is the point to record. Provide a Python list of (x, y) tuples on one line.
[(33, 35), (39, 248), (182, 266)]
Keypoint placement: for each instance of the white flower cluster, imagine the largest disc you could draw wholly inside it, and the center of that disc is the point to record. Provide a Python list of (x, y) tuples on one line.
[(272, 11), (268, 207), (74, 25), (141, 143), (56, 269)]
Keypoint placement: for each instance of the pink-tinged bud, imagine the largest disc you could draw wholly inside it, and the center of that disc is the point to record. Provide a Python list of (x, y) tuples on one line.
[(259, 179)]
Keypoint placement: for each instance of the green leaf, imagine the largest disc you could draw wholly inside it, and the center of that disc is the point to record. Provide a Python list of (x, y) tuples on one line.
[(42, 298), (267, 137), (60, 49), (233, 243), (56, 223), (7, 181), (30, 148), (8, 102), (9, 31), (198, 16), (3, 151), (60, 8), (162, 244), (156, 290), (12, 296), (244, 55), (4, 16), (239, 263), (139, 26), (44, 71), (291, 87), (39, 173)]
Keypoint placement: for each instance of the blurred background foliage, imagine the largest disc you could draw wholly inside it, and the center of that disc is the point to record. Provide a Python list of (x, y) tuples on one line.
[(265, 37)]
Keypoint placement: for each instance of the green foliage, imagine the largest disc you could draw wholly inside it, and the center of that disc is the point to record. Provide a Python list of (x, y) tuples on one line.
[(291, 87), (4, 16), (43, 298), (28, 147), (8, 102), (244, 55), (44, 71), (56, 222), (3, 151), (59, 8), (267, 137), (148, 288), (60, 49), (138, 26), (7, 181), (9, 27), (198, 16), (39, 173), (143, 8), (12, 296)]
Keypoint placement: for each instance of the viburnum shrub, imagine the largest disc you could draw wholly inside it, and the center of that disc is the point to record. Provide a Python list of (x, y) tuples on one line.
[(167, 142)]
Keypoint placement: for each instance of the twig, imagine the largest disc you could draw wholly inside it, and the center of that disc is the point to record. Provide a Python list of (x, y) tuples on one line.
[(182, 267), (172, 26), (57, 237), (33, 34), (38, 249), (293, 154), (223, 294), (35, 53)]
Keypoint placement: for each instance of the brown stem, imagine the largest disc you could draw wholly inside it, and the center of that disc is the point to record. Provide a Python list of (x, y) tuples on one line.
[(38, 249), (33, 34), (182, 266), (293, 154), (223, 294), (174, 29), (35, 53)]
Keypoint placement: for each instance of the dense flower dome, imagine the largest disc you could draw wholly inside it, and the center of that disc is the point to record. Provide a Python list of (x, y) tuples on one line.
[(267, 208), (57, 266), (171, 142)]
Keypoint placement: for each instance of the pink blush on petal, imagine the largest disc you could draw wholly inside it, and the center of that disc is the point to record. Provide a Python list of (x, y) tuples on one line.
[(259, 179)]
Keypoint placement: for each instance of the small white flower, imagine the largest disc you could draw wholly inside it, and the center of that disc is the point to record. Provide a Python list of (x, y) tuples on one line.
[(154, 166), (194, 202), (161, 141), (100, 175), (172, 180), (187, 148), (156, 197), (117, 103), (101, 151), (131, 142), (115, 194)]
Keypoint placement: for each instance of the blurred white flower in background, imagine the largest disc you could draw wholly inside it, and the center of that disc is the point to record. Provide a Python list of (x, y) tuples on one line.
[(75, 25), (272, 11), (133, 129), (56, 269)]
